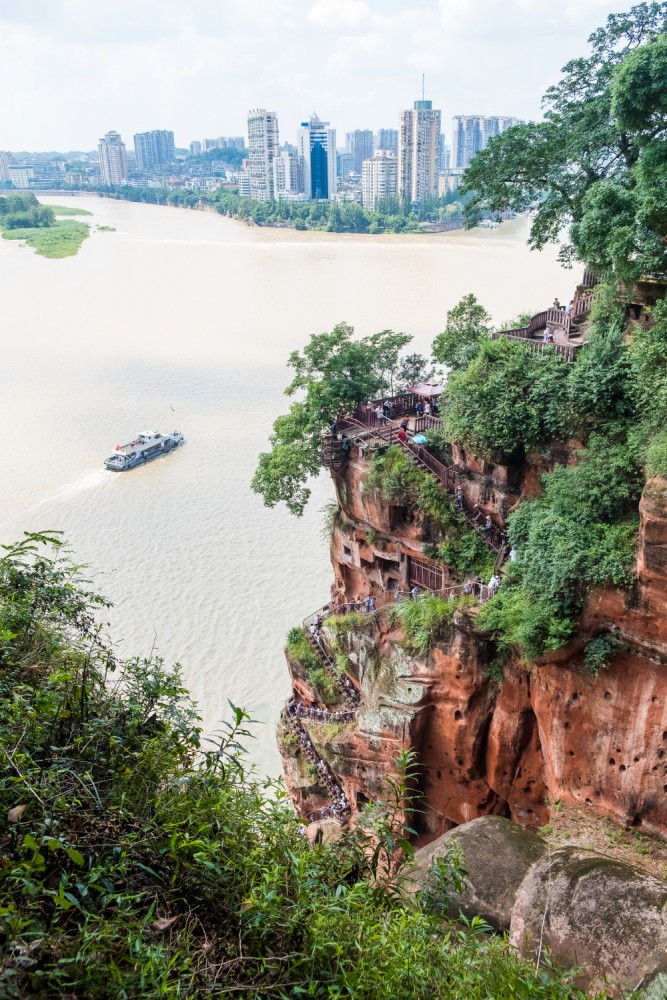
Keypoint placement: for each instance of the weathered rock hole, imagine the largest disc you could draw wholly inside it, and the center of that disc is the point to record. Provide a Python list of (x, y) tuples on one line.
[(566, 725), (570, 753), (607, 696), (460, 763), (661, 754), (611, 761), (622, 767), (636, 760), (637, 820), (440, 774), (589, 802), (575, 696), (654, 699), (664, 735), (458, 715)]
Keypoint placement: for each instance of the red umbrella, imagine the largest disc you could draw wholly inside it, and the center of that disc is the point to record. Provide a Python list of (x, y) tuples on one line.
[(426, 389)]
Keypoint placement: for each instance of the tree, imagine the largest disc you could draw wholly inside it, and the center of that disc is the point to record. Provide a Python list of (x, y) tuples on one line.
[(590, 164), (467, 325), (413, 368), (334, 372)]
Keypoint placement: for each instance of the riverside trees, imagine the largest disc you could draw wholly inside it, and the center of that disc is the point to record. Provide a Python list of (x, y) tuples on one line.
[(333, 373)]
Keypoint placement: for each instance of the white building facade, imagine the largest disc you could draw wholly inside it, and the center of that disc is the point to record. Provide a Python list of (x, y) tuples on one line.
[(263, 148), (418, 152), (379, 179), (471, 133), (288, 176), (113, 159), (316, 145)]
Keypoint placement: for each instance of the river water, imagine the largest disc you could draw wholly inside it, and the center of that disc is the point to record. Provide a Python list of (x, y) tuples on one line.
[(186, 319)]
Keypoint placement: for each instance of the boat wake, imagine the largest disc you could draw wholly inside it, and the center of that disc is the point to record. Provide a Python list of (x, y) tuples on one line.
[(91, 479)]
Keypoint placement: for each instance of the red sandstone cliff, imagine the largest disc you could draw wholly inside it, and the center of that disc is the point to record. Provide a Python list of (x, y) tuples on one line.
[(542, 734)]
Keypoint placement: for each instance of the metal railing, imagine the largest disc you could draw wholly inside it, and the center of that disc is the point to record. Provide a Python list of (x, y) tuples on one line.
[(340, 805)]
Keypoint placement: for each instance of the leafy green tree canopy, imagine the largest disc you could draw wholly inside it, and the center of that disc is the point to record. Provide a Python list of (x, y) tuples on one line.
[(334, 372), (598, 161), (468, 324)]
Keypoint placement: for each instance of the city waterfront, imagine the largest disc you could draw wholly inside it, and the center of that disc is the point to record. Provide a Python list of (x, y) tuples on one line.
[(185, 319)]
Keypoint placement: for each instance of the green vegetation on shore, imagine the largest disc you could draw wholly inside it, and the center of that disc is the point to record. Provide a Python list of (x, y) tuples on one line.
[(139, 859), (324, 216), (62, 239), (22, 217)]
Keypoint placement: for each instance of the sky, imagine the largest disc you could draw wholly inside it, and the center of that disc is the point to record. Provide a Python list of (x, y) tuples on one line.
[(71, 70)]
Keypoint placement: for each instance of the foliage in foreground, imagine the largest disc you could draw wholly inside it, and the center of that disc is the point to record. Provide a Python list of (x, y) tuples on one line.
[(135, 862)]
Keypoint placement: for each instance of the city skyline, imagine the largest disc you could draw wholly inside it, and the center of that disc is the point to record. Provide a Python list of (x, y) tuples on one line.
[(132, 68)]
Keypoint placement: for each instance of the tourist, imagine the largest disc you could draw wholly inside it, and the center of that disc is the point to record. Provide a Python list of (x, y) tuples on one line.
[(414, 592), (452, 595), (372, 607), (380, 414), (547, 334), (405, 423), (568, 308), (512, 554), (488, 526), (419, 408), (467, 587), (347, 448), (367, 604), (402, 436), (557, 304), (458, 497), (493, 585), (427, 409)]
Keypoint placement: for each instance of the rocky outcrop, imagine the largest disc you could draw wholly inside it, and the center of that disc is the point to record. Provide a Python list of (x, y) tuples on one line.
[(505, 746), (602, 916)]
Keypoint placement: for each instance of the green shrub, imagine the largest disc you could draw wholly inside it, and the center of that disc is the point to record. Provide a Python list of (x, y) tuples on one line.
[(598, 654), (394, 477), (300, 650), (466, 552), (425, 620), (138, 864), (656, 456), (324, 685)]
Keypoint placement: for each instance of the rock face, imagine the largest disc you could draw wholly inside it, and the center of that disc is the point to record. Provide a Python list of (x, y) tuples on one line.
[(600, 915), (507, 747)]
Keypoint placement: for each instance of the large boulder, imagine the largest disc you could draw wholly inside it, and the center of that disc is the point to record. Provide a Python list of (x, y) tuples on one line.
[(497, 855), (594, 912), (603, 916)]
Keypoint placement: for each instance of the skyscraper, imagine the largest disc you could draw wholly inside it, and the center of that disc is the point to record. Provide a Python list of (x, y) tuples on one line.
[(5, 161), (153, 149), (418, 140), (471, 133), (263, 147), (195, 148), (316, 143), (387, 138), (359, 144), (113, 159), (379, 179), (287, 175)]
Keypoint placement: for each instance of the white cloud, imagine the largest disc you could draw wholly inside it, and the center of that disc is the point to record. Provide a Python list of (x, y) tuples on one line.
[(197, 66)]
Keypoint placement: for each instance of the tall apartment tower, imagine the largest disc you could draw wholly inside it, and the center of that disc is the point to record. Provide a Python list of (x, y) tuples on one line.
[(316, 143), (263, 147), (153, 149), (359, 144), (287, 175), (113, 159), (471, 133), (5, 162), (387, 139), (418, 142), (379, 179)]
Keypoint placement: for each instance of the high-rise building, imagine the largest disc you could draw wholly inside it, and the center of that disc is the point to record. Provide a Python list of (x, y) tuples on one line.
[(113, 159), (153, 149), (5, 162), (418, 139), (359, 145), (471, 133), (387, 138), (345, 164), (287, 175), (195, 148), (263, 146), (379, 179), (20, 174), (316, 143)]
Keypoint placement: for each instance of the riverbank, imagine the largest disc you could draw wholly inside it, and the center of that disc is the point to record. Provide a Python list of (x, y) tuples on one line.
[(437, 214)]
